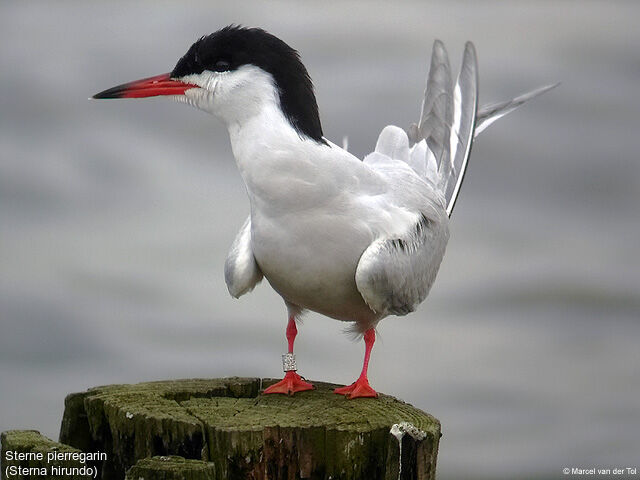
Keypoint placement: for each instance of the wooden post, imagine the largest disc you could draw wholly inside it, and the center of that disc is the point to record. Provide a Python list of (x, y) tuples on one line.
[(36, 461), (225, 429)]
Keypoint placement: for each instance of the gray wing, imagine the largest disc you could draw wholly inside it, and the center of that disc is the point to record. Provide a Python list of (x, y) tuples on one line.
[(448, 118), (241, 271), (394, 275)]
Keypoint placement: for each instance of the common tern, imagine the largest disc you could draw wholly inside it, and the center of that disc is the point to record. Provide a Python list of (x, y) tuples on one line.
[(355, 240)]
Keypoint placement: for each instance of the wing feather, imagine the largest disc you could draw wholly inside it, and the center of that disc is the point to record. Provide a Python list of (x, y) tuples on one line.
[(447, 120), (436, 115), (241, 271)]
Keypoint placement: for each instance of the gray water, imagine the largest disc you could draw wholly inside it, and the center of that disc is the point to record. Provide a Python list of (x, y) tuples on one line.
[(116, 217)]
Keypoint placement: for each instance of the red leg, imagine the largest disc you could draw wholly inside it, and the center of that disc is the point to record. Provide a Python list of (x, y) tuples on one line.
[(291, 333), (292, 382), (361, 387)]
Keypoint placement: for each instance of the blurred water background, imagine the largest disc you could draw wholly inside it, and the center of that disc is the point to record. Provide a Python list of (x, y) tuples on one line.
[(116, 217)]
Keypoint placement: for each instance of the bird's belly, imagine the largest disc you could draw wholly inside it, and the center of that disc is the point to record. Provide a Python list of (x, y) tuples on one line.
[(313, 265)]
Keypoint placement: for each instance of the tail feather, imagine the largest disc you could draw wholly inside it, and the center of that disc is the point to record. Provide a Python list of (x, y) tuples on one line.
[(492, 112)]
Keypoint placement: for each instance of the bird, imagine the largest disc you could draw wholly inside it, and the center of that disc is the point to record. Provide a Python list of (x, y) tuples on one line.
[(353, 239)]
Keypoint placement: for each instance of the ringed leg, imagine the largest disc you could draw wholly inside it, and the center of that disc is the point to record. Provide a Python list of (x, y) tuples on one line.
[(292, 382), (361, 387)]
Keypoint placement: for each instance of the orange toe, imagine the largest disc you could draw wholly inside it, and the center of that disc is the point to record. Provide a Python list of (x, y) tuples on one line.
[(358, 389), (344, 390), (290, 384)]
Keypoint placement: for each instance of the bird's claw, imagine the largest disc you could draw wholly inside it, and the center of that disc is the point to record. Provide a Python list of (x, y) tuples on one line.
[(358, 389), (290, 384)]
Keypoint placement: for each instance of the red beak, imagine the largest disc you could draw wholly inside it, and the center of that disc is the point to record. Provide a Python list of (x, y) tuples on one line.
[(147, 87)]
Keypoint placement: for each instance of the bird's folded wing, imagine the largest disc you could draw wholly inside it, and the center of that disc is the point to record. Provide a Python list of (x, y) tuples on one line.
[(241, 271), (395, 274)]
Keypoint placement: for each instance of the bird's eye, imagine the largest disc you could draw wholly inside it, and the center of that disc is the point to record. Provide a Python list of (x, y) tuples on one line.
[(222, 66)]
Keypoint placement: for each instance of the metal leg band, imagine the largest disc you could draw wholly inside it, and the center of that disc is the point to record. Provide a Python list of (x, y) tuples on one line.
[(289, 362)]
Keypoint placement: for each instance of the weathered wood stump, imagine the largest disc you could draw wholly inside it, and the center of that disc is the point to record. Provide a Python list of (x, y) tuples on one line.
[(36, 462), (225, 429)]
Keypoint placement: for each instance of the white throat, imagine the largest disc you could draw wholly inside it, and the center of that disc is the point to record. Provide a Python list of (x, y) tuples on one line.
[(234, 96)]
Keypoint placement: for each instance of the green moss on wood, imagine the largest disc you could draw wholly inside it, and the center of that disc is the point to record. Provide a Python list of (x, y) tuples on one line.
[(171, 468), (242, 434), (31, 441)]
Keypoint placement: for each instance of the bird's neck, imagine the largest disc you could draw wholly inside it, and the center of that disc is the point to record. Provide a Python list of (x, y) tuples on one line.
[(272, 157)]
